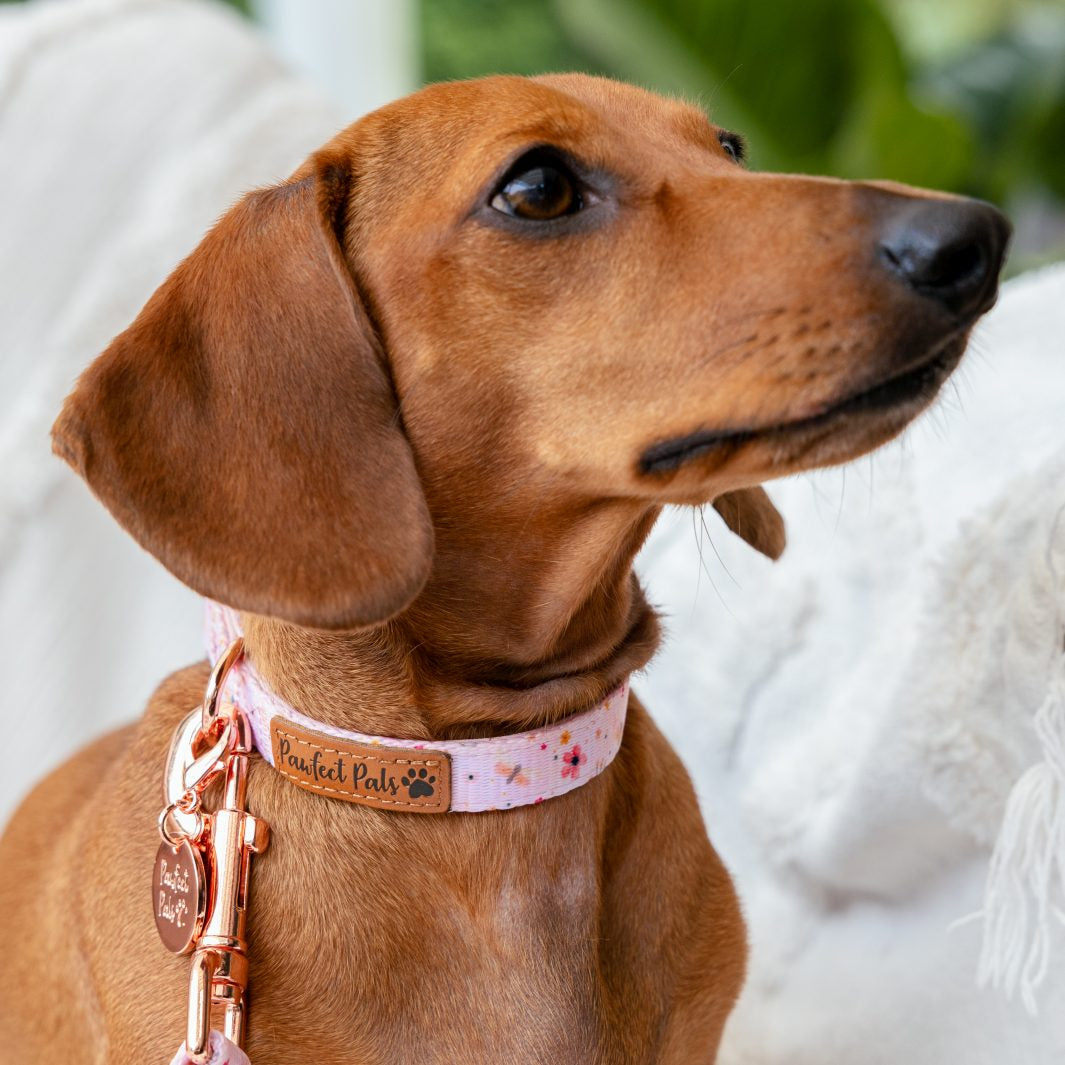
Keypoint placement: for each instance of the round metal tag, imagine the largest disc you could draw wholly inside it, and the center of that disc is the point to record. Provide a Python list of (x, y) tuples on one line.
[(179, 896)]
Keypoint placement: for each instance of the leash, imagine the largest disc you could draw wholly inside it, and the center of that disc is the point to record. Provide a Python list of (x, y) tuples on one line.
[(202, 868), (200, 882), (220, 1052)]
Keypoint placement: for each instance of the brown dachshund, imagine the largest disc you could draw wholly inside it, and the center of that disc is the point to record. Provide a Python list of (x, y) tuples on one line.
[(413, 412)]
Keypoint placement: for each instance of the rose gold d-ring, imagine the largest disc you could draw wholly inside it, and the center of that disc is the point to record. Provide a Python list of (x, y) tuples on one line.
[(228, 659)]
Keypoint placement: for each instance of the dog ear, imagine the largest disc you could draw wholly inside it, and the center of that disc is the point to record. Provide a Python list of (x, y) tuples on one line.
[(750, 514), (244, 428)]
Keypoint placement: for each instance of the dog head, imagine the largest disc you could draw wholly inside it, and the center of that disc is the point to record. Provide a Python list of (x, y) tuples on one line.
[(548, 292)]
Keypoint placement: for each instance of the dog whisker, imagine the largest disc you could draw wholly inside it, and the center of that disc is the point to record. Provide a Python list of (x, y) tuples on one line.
[(709, 536)]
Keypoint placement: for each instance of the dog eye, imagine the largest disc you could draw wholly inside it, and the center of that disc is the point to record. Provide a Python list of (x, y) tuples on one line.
[(539, 187), (733, 145)]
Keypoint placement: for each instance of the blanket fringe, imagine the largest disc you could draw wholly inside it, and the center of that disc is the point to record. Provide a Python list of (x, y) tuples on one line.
[(1024, 899)]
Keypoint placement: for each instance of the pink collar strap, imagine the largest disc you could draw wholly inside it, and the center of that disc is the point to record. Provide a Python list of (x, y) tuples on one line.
[(419, 776)]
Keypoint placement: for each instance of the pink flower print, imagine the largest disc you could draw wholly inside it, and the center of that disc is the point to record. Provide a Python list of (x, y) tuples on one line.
[(572, 760)]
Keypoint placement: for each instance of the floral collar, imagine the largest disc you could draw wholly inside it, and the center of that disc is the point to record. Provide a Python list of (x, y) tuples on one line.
[(416, 776)]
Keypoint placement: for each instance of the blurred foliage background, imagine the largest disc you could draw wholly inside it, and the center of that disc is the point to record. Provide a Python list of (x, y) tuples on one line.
[(965, 95)]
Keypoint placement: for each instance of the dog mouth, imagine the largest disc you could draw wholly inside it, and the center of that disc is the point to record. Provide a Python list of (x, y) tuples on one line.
[(892, 402)]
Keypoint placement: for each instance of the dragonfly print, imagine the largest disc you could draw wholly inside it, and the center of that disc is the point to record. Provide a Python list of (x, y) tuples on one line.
[(512, 774)]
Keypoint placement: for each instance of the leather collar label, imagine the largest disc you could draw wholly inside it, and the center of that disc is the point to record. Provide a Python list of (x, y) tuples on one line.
[(410, 780)]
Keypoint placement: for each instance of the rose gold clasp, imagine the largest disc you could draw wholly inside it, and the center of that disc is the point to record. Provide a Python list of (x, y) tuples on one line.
[(198, 753), (213, 741), (220, 962)]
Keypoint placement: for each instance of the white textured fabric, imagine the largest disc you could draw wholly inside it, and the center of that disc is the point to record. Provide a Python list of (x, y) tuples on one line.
[(855, 718)]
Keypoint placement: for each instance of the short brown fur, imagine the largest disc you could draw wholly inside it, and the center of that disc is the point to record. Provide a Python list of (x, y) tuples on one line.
[(405, 439)]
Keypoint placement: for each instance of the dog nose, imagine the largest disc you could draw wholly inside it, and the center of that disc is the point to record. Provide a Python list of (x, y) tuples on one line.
[(950, 251)]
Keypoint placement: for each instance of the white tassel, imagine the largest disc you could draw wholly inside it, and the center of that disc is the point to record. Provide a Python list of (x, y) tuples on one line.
[(1025, 893)]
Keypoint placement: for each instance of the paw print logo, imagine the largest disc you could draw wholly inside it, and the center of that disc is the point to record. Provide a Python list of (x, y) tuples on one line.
[(418, 784)]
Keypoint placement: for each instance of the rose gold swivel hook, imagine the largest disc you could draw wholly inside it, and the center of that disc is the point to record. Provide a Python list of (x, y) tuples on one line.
[(201, 882), (220, 963)]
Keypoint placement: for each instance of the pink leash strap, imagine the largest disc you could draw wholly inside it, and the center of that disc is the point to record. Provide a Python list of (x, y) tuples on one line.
[(223, 1052)]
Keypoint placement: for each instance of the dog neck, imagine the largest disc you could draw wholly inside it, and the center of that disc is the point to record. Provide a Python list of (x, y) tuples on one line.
[(512, 632)]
